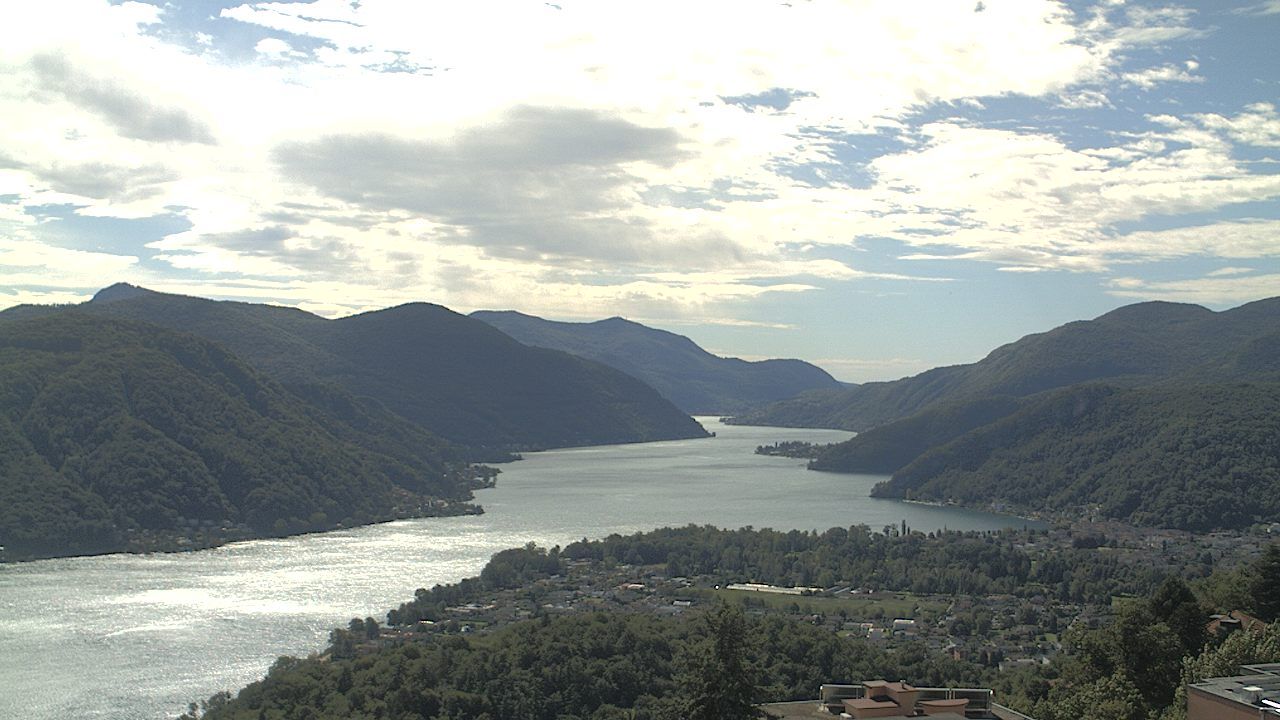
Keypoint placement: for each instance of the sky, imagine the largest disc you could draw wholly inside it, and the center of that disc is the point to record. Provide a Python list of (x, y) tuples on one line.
[(878, 187)]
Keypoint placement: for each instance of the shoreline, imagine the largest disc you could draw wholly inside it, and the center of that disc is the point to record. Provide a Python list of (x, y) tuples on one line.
[(175, 543), (1048, 520)]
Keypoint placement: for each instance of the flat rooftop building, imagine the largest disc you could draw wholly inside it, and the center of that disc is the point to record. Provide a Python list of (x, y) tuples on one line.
[(881, 699), (1254, 695)]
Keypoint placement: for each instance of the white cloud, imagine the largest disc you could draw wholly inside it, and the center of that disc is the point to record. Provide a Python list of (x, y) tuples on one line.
[(1150, 77), (1207, 290), (1025, 200), (1267, 7), (1259, 125), (1237, 239), (1228, 271), (554, 160), (32, 263), (9, 298), (274, 47)]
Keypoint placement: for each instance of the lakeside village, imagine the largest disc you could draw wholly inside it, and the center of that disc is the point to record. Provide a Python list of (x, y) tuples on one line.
[(1001, 631)]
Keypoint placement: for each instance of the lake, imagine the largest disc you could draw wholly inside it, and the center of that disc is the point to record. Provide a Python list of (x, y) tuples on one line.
[(139, 636)]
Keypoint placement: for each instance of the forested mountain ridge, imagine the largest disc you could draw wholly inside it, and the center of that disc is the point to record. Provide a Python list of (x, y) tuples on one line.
[(1141, 344), (113, 430), (455, 376), (692, 378), (886, 448), (1199, 458)]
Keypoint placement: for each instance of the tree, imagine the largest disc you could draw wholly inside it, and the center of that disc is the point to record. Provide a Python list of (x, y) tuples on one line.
[(1175, 605), (1240, 648), (719, 681), (1266, 584), (1136, 646), (1110, 698)]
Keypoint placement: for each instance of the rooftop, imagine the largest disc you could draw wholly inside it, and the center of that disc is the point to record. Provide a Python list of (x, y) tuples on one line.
[(877, 698), (1260, 690)]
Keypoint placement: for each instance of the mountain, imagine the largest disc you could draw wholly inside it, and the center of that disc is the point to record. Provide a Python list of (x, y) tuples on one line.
[(1195, 457), (886, 448), (456, 376), (692, 378), (1142, 344), (117, 434)]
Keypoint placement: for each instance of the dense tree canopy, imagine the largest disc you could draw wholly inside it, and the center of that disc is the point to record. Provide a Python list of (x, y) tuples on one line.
[(109, 428), (458, 377), (1266, 584), (603, 666), (944, 563), (1197, 457)]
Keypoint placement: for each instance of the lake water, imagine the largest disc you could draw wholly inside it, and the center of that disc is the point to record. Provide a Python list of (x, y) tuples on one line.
[(139, 636)]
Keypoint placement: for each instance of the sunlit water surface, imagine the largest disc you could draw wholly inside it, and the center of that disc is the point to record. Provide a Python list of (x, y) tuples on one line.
[(139, 636)]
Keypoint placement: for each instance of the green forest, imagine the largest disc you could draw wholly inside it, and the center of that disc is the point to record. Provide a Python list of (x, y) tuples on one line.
[(950, 563), (1198, 458), (603, 666), (1138, 665), (455, 376), (618, 665), (114, 433), (887, 448)]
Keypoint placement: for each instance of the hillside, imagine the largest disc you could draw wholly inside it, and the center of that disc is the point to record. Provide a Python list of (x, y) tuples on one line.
[(116, 434), (692, 378), (1197, 457), (1142, 344), (457, 377), (886, 448)]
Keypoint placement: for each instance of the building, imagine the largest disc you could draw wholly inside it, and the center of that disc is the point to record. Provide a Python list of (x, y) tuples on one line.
[(1254, 695), (880, 699), (1220, 625)]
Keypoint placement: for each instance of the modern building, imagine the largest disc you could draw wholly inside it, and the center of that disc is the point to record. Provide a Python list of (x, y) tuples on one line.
[(1253, 695)]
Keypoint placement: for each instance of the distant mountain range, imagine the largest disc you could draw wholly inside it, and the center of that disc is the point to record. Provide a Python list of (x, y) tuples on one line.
[(1156, 413), (116, 434), (1140, 344), (455, 376), (141, 420), (692, 378)]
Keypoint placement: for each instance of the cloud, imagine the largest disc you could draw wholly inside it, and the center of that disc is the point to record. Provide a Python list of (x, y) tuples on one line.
[(1229, 271), (278, 247), (1267, 7), (1155, 25), (533, 181), (1150, 77), (32, 264), (1214, 290), (1027, 200), (556, 162), (275, 47), (98, 180), (9, 298), (131, 114), (1235, 239), (1259, 125)]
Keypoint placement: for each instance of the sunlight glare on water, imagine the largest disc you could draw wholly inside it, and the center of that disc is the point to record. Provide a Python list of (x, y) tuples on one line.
[(140, 636)]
